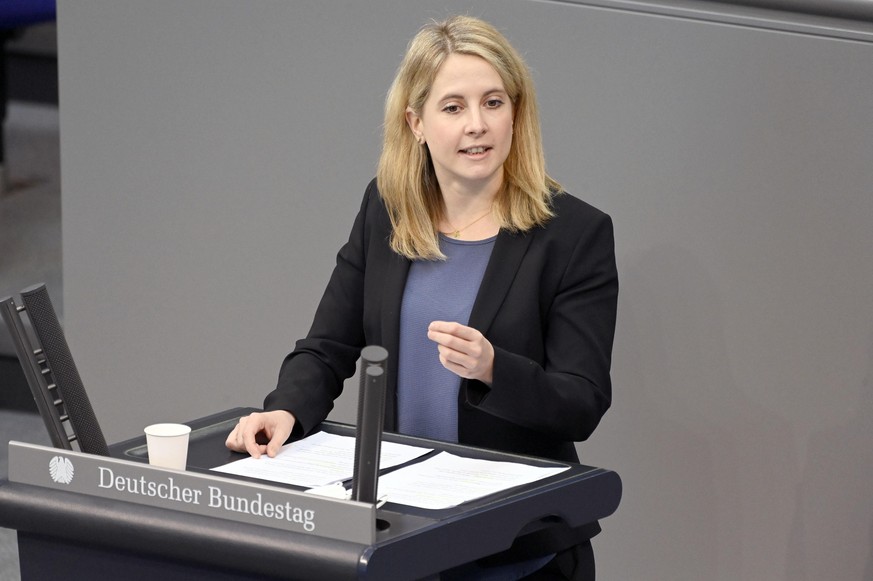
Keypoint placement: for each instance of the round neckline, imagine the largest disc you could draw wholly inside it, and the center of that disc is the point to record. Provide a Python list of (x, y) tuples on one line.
[(451, 240)]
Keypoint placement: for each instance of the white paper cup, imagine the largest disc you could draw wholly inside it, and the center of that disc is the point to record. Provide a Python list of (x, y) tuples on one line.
[(168, 445)]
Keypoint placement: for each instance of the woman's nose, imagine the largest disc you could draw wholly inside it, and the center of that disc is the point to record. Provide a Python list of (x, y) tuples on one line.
[(475, 123)]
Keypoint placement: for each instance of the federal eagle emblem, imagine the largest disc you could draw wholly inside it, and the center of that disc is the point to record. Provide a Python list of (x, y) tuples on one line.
[(61, 470)]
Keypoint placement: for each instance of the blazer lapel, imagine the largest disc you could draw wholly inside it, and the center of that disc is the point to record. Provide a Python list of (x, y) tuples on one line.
[(509, 249), (394, 283), (392, 296)]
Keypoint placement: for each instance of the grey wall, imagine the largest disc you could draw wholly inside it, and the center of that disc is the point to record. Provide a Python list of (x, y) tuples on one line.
[(214, 153)]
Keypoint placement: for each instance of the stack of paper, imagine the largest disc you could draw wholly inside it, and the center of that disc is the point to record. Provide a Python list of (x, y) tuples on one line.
[(443, 481)]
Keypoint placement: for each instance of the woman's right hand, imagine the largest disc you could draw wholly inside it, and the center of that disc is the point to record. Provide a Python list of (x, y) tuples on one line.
[(275, 425)]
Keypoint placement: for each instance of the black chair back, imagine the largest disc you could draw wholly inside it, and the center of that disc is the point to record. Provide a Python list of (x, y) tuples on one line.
[(51, 373)]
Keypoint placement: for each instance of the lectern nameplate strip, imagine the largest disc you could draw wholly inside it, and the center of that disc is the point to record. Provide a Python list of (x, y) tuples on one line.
[(202, 494)]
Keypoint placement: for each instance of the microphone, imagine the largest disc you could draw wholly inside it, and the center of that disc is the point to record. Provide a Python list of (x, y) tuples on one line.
[(371, 419)]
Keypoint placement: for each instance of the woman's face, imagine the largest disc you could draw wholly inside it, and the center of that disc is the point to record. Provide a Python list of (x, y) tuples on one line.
[(467, 125)]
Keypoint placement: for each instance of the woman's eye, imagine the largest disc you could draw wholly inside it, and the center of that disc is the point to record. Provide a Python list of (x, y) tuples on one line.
[(451, 108), (493, 103)]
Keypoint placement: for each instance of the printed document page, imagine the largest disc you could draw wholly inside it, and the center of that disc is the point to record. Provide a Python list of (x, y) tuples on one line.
[(447, 480), (318, 460)]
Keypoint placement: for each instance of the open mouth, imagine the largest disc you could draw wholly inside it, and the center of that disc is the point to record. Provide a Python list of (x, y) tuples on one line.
[(478, 150)]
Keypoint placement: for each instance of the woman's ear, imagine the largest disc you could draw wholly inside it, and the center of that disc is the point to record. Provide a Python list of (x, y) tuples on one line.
[(415, 124)]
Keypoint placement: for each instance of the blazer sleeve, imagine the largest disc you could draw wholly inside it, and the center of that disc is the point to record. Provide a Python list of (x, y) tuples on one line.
[(562, 391), (312, 375)]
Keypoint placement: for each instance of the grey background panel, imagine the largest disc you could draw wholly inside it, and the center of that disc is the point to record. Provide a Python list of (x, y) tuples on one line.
[(850, 9), (214, 154), (850, 19)]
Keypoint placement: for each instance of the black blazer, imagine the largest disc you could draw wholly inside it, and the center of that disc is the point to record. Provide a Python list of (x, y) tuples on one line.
[(547, 304)]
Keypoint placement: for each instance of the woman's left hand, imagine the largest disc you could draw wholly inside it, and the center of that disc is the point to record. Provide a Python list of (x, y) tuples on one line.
[(463, 350)]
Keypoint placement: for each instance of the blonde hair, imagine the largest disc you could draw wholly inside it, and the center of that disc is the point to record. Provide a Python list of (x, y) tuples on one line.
[(405, 176)]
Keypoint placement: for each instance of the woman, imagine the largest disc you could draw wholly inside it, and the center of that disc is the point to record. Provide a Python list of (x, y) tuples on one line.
[(494, 291)]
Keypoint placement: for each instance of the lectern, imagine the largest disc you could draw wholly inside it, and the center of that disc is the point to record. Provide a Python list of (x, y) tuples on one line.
[(134, 521)]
